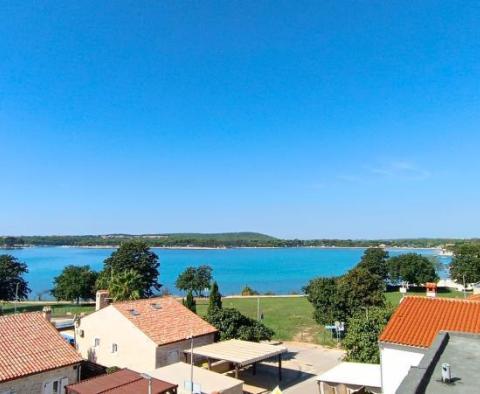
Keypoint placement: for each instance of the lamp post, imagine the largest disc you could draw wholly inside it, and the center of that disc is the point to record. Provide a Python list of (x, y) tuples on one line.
[(149, 378), (191, 362)]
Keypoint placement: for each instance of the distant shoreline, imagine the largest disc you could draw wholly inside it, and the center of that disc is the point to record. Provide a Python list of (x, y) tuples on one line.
[(221, 247)]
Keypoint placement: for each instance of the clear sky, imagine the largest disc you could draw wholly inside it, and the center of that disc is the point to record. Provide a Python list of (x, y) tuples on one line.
[(299, 119)]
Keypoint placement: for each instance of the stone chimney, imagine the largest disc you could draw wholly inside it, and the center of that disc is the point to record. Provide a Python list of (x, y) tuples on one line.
[(101, 299), (47, 313)]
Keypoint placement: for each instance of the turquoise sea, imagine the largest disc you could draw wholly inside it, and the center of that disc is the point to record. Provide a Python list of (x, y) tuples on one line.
[(282, 271)]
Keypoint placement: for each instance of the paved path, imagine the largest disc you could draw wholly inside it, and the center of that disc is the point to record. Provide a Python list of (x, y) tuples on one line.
[(301, 365), (312, 360)]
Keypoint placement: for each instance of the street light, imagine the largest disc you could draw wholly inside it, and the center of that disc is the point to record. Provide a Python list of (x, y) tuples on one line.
[(149, 378), (191, 361)]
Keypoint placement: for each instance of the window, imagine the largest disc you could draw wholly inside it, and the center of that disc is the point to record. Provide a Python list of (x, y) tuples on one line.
[(96, 342), (55, 386), (114, 348)]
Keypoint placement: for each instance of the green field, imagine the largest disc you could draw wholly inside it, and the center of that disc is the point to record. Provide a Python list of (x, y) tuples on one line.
[(58, 310), (290, 317), (394, 297)]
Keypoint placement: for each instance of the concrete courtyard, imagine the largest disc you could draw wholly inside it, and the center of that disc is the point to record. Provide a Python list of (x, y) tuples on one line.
[(301, 365)]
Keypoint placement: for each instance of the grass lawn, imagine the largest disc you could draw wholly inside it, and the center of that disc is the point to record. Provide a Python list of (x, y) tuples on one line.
[(58, 310), (290, 317)]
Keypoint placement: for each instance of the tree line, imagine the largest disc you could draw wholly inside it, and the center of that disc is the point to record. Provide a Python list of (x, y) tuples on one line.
[(222, 240)]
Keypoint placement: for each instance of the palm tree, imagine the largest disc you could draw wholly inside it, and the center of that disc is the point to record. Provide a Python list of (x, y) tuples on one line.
[(125, 285)]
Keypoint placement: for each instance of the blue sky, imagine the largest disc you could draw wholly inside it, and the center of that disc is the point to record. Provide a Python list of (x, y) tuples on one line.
[(299, 119)]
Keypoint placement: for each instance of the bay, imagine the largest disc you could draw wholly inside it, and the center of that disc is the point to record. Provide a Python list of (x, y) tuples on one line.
[(276, 270)]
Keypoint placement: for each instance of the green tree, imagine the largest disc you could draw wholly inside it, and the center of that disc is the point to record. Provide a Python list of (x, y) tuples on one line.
[(465, 264), (10, 242), (248, 291), (363, 330), (359, 289), (215, 299), (323, 295), (190, 302), (233, 325), (412, 268), (75, 283), (125, 285), (375, 261), (133, 255), (195, 279), (12, 283)]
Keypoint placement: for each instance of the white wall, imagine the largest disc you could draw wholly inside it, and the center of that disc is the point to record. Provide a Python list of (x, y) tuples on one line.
[(173, 352), (395, 363), (135, 350)]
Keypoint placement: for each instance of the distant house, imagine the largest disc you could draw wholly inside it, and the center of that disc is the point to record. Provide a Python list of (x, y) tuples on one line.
[(141, 335), (123, 381), (476, 288), (34, 358), (413, 328)]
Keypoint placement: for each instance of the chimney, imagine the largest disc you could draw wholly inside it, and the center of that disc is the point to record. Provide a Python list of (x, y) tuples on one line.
[(431, 289), (47, 313), (101, 299)]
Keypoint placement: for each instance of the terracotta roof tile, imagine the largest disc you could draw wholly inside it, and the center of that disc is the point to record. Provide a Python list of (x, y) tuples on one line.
[(474, 297), (417, 320), (124, 381), (164, 319), (30, 344)]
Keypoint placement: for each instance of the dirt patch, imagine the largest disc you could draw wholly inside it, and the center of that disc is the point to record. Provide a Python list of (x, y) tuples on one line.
[(307, 334)]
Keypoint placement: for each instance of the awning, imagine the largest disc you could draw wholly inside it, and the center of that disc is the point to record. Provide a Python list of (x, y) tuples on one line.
[(354, 374), (209, 381)]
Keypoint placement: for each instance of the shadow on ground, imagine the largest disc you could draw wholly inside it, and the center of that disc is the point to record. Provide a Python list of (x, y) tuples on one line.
[(266, 378)]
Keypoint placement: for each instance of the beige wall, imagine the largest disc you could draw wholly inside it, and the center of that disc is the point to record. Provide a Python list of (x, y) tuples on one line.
[(135, 350), (166, 353), (33, 384)]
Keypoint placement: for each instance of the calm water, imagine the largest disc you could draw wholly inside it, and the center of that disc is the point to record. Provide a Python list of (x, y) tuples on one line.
[(278, 270)]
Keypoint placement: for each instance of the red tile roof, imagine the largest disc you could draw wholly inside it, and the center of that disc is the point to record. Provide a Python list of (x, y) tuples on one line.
[(417, 320), (124, 381), (164, 319), (30, 344)]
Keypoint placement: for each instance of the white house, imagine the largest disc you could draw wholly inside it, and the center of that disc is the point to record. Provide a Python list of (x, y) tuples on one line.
[(141, 335), (412, 330)]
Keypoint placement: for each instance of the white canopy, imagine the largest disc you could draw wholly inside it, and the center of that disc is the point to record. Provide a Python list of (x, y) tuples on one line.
[(209, 381), (354, 374), (239, 352)]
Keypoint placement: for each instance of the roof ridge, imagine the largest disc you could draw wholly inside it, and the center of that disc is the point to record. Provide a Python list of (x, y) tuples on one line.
[(446, 299), (140, 300)]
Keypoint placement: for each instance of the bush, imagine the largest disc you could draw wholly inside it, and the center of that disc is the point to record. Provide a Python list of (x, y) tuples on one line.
[(233, 325)]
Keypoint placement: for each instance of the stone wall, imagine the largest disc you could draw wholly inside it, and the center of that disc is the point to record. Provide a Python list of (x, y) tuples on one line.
[(33, 384)]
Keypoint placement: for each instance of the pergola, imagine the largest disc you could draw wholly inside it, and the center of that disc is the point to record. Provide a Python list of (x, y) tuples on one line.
[(241, 353)]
